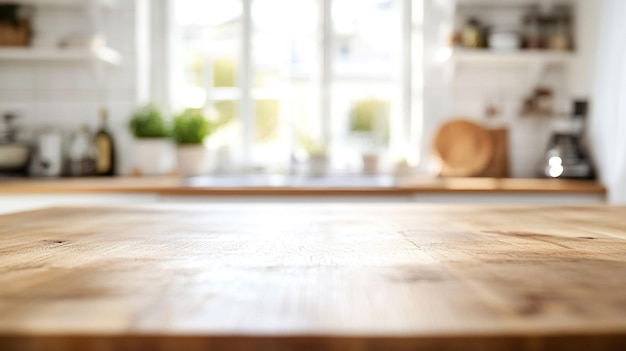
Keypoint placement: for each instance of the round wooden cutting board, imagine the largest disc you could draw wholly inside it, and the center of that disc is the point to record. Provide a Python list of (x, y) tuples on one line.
[(464, 148)]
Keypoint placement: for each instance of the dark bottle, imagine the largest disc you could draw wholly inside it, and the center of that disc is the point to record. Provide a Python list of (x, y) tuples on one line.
[(105, 161)]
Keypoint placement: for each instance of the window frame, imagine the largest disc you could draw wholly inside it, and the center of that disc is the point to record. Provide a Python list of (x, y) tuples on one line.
[(406, 140)]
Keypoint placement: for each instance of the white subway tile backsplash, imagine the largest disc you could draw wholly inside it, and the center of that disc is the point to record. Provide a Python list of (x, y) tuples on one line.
[(16, 77), (17, 96), (123, 77), (63, 75), (73, 95), (125, 5)]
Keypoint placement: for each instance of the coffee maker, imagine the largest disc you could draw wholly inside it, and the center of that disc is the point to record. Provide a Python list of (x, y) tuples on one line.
[(566, 156)]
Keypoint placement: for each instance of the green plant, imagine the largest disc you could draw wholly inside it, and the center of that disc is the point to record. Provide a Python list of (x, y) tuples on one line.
[(313, 147), (191, 127), (267, 120), (368, 115), (148, 122), (224, 72)]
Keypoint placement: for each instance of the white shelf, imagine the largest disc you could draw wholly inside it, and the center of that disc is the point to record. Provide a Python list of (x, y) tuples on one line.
[(521, 57), (103, 54), (534, 61), (63, 3), (514, 3)]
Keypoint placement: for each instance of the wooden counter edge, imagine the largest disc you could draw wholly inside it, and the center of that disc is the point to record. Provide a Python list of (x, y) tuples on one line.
[(173, 187), (550, 342)]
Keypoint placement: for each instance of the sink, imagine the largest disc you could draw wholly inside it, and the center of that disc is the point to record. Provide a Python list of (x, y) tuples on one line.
[(255, 181)]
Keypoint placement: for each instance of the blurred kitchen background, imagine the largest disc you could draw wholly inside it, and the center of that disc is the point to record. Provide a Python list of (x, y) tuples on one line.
[(314, 88)]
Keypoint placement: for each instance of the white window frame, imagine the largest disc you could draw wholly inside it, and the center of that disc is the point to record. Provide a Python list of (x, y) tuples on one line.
[(407, 138)]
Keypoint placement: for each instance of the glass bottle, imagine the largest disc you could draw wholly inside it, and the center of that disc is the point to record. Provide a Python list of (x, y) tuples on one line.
[(105, 160)]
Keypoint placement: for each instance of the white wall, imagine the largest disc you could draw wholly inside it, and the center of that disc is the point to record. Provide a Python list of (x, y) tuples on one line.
[(608, 127), (68, 94)]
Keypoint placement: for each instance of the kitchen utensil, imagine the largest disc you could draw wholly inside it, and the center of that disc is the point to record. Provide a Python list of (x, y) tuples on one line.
[(50, 157), (464, 148), (14, 155)]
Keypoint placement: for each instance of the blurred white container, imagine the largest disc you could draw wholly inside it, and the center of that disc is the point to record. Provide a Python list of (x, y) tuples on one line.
[(50, 148), (193, 160), (505, 41), (318, 165), (370, 164), (154, 156)]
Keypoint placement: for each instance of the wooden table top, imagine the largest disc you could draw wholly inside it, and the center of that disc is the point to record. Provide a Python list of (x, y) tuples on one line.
[(313, 277), (288, 186)]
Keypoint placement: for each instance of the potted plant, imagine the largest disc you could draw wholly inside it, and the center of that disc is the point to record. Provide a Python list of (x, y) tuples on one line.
[(318, 156), (368, 126), (153, 148), (190, 129)]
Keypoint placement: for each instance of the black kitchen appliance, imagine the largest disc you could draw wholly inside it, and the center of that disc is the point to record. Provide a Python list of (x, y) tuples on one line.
[(566, 156)]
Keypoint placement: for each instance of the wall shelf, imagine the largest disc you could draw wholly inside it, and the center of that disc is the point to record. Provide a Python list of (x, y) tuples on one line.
[(516, 3), (536, 62), (522, 57), (102, 54)]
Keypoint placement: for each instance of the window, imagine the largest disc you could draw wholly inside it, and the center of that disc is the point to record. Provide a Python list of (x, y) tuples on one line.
[(287, 78)]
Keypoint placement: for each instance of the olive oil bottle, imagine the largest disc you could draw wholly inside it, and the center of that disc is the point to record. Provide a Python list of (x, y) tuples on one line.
[(105, 161)]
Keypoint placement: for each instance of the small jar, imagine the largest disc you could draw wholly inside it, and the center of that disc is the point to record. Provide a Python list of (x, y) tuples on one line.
[(532, 30), (471, 34)]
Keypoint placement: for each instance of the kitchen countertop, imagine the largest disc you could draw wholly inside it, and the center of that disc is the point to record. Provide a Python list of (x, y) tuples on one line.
[(314, 277), (283, 185)]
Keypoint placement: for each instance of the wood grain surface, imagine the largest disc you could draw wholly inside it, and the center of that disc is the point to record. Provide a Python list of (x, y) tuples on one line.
[(499, 164), (313, 277)]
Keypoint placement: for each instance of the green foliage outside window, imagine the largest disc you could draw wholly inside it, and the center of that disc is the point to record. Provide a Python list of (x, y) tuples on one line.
[(226, 111), (369, 115), (224, 73), (267, 119)]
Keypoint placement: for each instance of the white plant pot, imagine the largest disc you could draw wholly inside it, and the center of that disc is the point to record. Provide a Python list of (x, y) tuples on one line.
[(193, 160), (154, 156), (318, 165), (370, 164)]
